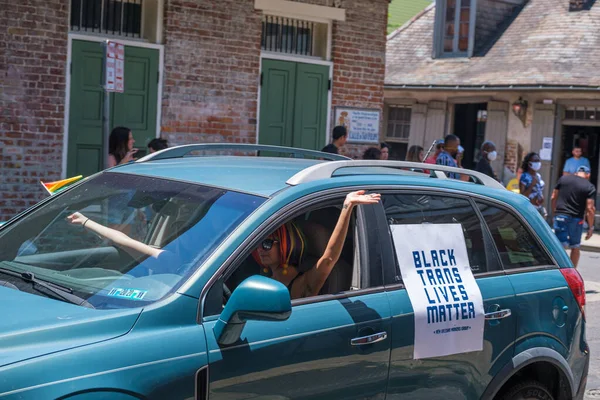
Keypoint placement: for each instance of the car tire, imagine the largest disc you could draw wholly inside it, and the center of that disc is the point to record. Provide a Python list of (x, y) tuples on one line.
[(528, 390)]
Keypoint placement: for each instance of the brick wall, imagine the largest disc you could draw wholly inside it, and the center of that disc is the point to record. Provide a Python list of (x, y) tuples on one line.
[(359, 58), (33, 53), (513, 155), (212, 59), (212, 67)]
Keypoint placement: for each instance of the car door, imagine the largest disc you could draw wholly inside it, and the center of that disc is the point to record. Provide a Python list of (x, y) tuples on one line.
[(332, 346), (546, 307), (457, 376)]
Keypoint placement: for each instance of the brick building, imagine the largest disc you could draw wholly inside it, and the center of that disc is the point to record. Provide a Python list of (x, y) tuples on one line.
[(267, 71), (521, 73)]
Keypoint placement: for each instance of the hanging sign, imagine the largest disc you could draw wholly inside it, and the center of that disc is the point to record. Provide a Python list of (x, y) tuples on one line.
[(447, 302), (362, 124), (115, 67)]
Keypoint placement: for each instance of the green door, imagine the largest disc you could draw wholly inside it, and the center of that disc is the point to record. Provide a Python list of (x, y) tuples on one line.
[(310, 108), (293, 106), (135, 108)]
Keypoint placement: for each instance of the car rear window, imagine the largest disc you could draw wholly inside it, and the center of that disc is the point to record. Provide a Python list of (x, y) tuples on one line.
[(518, 247), (403, 209)]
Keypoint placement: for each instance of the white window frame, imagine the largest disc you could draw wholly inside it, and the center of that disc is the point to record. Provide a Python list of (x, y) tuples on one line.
[(440, 27)]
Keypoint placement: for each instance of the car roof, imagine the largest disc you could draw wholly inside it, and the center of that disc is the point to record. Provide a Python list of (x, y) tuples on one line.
[(262, 176), (265, 176)]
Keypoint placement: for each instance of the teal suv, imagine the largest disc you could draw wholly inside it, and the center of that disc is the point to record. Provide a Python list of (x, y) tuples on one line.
[(152, 280)]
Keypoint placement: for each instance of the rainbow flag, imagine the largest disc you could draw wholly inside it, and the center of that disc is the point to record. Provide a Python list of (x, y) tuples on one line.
[(57, 186)]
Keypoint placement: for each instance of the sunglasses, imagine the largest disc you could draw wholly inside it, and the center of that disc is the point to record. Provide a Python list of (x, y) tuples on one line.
[(267, 244)]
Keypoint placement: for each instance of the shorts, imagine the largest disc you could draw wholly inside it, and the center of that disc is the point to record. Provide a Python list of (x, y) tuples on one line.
[(568, 230)]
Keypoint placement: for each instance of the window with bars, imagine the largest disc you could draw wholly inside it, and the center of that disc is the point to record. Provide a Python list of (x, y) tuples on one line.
[(583, 113), (398, 127), (113, 17), (288, 35)]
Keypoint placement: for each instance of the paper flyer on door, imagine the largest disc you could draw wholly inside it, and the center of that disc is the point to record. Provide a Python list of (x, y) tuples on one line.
[(447, 302)]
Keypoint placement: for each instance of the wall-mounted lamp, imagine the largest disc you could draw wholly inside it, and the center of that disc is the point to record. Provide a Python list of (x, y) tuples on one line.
[(519, 108)]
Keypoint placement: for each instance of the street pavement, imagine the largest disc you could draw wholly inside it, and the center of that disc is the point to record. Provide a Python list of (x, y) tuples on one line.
[(589, 268)]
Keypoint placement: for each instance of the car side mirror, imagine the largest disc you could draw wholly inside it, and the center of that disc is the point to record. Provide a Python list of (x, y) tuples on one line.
[(257, 298)]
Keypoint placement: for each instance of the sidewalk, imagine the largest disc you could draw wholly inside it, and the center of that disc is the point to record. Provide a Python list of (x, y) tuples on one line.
[(591, 245)]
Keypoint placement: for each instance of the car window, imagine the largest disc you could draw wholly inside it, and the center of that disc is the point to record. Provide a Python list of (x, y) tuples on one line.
[(517, 246), (404, 209), (316, 226), (136, 236)]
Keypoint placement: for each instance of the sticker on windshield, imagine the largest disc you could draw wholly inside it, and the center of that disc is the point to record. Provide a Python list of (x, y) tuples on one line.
[(447, 302), (131, 294)]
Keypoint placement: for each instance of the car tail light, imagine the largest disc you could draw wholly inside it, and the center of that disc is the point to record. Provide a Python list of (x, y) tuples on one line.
[(575, 282)]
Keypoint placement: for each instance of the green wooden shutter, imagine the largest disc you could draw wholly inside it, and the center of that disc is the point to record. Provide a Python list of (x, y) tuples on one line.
[(310, 109), (277, 102), (85, 109)]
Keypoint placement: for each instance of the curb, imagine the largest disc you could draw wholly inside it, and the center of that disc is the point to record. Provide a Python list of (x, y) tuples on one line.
[(593, 249)]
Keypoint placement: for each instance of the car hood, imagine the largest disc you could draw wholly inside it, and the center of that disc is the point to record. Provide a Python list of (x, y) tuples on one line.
[(31, 325)]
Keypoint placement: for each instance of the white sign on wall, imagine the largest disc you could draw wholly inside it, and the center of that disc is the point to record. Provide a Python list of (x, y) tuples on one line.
[(447, 302), (546, 150), (115, 67), (362, 124)]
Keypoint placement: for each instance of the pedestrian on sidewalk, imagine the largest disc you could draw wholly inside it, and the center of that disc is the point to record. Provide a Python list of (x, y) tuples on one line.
[(157, 144), (372, 153), (385, 151), (573, 199), (340, 136), (415, 154), (488, 154), (449, 154), (573, 163), (531, 184)]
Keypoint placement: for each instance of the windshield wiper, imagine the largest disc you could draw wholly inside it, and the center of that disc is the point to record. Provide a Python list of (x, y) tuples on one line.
[(58, 292)]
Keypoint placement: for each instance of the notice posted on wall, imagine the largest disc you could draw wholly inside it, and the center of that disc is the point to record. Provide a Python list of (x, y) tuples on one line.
[(447, 302), (362, 124)]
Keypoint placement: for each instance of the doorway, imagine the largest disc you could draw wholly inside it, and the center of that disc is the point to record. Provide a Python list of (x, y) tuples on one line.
[(469, 126), (586, 137), (135, 108), (293, 104)]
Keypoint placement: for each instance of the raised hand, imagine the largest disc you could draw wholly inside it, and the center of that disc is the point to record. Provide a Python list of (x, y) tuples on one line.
[(359, 197), (129, 156)]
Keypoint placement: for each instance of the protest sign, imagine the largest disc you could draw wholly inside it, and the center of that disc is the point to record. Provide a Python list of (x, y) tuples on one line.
[(447, 303)]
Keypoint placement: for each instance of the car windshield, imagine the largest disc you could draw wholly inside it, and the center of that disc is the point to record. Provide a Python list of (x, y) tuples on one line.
[(140, 239)]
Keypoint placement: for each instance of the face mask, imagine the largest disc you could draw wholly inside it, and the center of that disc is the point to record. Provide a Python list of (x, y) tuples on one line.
[(492, 155), (535, 165)]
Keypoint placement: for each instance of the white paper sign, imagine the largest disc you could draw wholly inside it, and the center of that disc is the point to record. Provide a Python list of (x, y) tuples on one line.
[(362, 125), (115, 67), (446, 299), (546, 150)]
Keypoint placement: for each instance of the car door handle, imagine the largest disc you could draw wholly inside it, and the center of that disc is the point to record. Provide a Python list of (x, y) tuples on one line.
[(364, 340), (498, 314)]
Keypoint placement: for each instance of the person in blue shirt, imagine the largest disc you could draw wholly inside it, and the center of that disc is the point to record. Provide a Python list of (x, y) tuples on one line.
[(573, 163), (448, 155)]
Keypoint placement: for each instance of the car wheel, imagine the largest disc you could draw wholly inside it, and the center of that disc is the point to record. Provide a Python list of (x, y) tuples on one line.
[(528, 390)]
